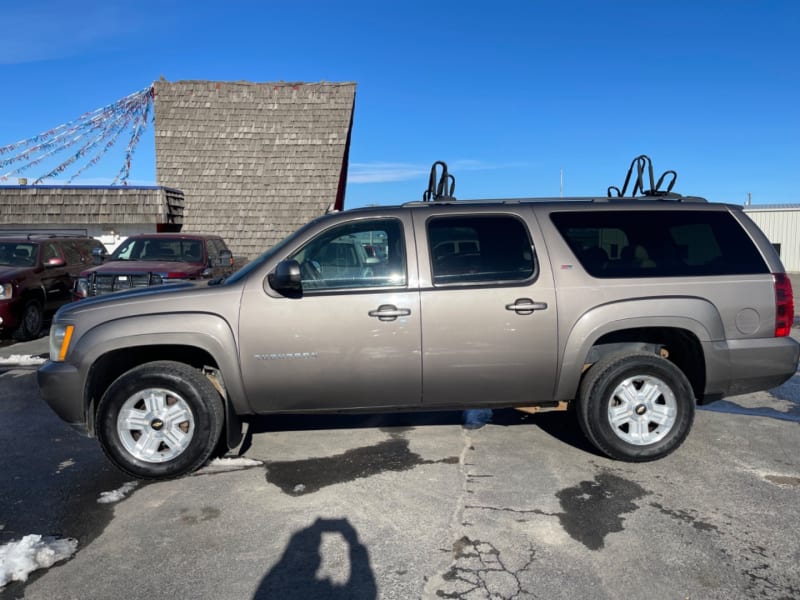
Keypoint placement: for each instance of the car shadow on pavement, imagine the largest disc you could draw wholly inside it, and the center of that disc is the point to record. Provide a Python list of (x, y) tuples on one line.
[(564, 427), (560, 425)]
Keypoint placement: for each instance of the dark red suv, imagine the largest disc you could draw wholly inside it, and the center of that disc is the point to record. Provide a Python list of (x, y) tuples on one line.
[(37, 274), (154, 259)]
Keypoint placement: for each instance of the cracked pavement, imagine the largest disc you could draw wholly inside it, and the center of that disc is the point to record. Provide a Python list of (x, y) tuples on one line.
[(412, 506)]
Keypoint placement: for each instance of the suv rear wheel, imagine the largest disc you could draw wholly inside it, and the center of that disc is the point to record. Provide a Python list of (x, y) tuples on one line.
[(635, 407), (160, 420)]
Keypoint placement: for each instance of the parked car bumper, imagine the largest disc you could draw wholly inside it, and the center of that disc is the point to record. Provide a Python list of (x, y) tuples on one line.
[(61, 387), (9, 314), (745, 366)]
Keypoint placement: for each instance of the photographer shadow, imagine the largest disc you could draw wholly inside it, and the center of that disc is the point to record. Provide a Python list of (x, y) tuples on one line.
[(296, 575)]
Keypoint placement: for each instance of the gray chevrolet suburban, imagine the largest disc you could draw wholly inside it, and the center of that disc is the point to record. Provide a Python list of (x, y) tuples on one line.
[(629, 310)]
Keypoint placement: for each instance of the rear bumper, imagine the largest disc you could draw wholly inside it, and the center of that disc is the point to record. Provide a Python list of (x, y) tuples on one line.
[(61, 387), (745, 366)]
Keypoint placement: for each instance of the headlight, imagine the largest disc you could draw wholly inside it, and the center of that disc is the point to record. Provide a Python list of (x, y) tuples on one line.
[(60, 337), (82, 287), (6, 290)]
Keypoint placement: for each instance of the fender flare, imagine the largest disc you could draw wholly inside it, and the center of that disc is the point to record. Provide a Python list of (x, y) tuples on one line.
[(206, 331), (699, 317)]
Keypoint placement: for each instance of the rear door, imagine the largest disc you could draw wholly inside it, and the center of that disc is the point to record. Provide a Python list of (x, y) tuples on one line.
[(488, 308)]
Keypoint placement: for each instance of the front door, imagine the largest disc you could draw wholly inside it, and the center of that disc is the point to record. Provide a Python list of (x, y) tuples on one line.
[(57, 281), (351, 339), (488, 310)]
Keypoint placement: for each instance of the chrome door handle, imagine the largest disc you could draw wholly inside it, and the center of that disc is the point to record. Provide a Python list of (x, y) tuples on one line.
[(389, 312), (526, 306)]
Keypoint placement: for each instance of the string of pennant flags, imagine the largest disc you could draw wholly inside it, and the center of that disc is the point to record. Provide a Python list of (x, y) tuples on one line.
[(82, 142)]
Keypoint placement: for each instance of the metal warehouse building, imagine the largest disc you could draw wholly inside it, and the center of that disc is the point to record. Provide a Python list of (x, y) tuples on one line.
[(781, 224)]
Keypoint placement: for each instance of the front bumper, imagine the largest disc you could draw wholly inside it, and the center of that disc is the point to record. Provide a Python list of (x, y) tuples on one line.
[(9, 314), (61, 386)]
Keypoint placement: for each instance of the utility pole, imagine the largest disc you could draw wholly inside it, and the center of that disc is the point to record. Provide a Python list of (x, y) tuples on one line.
[(561, 184)]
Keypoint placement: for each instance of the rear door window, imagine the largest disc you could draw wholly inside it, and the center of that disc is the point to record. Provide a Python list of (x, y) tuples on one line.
[(477, 249), (611, 244), (72, 252)]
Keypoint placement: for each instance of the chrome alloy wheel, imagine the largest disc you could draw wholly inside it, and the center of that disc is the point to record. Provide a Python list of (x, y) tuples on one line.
[(642, 410), (155, 425)]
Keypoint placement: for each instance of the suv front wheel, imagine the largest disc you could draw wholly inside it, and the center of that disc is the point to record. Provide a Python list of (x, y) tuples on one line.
[(30, 324), (635, 407), (160, 420)]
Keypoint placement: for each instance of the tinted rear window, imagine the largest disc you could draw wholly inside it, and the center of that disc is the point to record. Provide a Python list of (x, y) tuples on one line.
[(479, 249), (659, 243)]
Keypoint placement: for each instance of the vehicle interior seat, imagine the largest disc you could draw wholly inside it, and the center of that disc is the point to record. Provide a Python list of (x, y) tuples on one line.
[(193, 253), (642, 257), (22, 257), (596, 258), (159, 253)]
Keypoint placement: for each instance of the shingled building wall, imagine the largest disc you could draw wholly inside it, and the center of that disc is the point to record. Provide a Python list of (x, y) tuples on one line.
[(254, 160), (30, 207)]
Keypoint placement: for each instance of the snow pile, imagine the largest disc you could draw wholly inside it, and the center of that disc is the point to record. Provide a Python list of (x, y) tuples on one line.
[(118, 494), (20, 559), (223, 465), (22, 360)]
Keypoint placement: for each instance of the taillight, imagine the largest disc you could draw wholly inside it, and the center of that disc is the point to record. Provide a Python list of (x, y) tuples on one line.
[(784, 305)]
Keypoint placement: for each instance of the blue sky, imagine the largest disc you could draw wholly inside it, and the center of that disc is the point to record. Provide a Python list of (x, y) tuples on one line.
[(508, 93)]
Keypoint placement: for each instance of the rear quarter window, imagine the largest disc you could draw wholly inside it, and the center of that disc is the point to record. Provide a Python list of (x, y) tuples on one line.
[(611, 244)]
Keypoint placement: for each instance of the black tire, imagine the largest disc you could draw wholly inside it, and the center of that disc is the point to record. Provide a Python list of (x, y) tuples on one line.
[(174, 420), (31, 321), (635, 407)]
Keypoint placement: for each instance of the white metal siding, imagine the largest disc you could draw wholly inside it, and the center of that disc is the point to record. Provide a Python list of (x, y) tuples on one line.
[(781, 226)]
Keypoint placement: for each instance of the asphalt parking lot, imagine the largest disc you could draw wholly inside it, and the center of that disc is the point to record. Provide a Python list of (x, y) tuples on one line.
[(414, 506)]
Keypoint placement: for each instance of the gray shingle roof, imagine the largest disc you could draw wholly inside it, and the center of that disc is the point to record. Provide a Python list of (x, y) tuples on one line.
[(254, 160), (87, 205)]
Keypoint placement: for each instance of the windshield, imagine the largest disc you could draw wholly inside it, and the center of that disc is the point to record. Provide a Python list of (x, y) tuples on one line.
[(160, 249), (261, 259), (17, 254)]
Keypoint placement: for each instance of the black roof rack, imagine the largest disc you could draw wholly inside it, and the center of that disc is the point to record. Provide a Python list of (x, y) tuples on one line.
[(442, 185), (440, 192), (654, 191), (32, 236)]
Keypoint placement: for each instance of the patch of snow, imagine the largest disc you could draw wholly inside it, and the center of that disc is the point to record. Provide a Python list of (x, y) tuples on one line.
[(118, 494), (64, 464), (223, 465), (22, 360), (19, 559)]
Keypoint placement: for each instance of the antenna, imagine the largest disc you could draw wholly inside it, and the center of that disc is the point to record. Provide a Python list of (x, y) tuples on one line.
[(561, 185)]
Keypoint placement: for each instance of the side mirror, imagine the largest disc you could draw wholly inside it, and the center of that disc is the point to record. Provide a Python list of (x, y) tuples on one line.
[(98, 255), (286, 278), (225, 259), (56, 261)]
